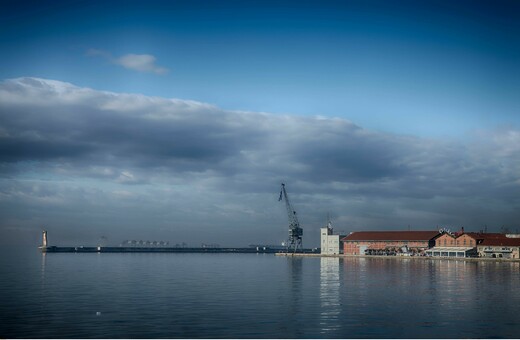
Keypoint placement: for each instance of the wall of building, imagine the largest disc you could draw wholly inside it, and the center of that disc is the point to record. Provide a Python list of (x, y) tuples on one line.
[(465, 240), (331, 245), (350, 248), (448, 240), (506, 252), (359, 247), (329, 242)]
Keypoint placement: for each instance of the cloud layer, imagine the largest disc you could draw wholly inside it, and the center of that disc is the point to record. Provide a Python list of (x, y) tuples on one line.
[(89, 162)]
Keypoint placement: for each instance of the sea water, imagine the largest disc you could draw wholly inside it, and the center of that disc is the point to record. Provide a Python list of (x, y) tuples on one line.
[(253, 296)]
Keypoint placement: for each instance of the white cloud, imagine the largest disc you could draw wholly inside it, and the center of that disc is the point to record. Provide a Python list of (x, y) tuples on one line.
[(136, 62), (141, 63)]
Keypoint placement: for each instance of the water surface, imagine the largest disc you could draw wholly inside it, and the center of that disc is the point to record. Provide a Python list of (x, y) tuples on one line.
[(253, 296)]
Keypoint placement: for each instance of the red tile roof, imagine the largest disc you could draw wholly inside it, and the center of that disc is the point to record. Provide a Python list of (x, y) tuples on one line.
[(501, 242), (391, 236), (484, 236)]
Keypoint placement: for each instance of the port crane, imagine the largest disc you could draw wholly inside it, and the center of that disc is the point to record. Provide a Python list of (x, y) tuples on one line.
[(294, 242)]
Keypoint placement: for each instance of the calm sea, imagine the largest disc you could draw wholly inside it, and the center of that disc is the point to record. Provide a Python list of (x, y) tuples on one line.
[(253, 296)]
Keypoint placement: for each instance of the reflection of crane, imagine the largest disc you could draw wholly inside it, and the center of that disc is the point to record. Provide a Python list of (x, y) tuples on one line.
[(295, 232)]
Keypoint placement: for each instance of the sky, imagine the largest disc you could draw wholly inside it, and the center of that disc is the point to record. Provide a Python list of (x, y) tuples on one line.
[(178, 120)]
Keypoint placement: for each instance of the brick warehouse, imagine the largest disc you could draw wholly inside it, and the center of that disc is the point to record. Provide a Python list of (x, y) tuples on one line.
[(461, 244), (508, 248), (388, 242)]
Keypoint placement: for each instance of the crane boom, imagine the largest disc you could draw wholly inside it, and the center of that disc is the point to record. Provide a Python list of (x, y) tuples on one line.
[(295, 231)]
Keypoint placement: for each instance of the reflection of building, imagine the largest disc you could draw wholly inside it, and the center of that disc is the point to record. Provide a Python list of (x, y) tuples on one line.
[(329, 241), (388, 242), (330, 304)]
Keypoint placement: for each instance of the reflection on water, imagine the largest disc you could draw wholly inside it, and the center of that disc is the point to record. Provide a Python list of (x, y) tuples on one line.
[(330, 306), (293, 322), (254, 296), (44, 258), (431, 298)]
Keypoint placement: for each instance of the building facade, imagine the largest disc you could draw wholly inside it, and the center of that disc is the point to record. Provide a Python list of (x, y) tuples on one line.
[(388, 242), (457, 244), (507, 248), (329, 242), (448, 240), (461, 244)]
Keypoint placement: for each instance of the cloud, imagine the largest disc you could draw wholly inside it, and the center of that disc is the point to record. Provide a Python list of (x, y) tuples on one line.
[(141, 63), (136, 62), (193, 171)]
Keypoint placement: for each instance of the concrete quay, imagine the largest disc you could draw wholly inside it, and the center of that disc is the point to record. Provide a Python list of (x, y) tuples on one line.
[(100, 249), (414, 258)]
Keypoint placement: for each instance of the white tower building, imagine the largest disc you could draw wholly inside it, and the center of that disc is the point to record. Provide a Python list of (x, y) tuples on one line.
[(329, 241)]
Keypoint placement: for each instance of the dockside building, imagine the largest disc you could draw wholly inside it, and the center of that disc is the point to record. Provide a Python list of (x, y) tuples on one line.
[(461, 244), (389, 242), (507, 248), (330, 242), (441, 243)]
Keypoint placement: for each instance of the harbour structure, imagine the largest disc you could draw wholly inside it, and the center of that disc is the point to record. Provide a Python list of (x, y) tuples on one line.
[(294, 242), (507, 248), (141, 243), (46, 248), (449, 244), (329, 242), (45, 242), (441, 243), (462, 244), (268, 246), (116, 249), (389, 242)]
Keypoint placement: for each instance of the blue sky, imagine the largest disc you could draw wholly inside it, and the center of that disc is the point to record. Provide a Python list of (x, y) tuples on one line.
[(178, 120), (430, 68)]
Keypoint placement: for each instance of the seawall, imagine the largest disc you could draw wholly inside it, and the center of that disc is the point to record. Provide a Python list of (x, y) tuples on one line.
[(398, 258), (90, 249)]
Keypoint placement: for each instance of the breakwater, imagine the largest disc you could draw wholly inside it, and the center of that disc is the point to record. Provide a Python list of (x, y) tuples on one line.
[(99, 249)]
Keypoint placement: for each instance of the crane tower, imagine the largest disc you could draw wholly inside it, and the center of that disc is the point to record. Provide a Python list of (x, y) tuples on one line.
[(294, 241)]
